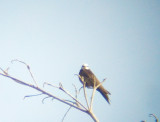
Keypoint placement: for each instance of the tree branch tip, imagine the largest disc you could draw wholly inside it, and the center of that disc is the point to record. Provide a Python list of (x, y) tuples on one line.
[(76, 91), (60, 86), (14, 60), (20, 62), (32, 95), (80, 89), (66, 113), (45, 83), (45, 98), (100, 83), (26, 97)]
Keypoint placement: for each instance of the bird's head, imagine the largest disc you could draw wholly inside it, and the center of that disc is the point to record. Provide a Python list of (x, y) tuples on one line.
[(85, 66)]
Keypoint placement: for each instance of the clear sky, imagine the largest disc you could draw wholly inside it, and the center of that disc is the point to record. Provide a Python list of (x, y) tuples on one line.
[(120, 40)]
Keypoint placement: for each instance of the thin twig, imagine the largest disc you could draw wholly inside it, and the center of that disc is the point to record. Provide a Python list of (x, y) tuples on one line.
[(85, 94), (28, 67), (84, 89), (32, 95), (66, 113), (70, 101), (80, 89), (76, 91), (44, 99), (93, 92), (65, 91), (76, 94), (45, 83)]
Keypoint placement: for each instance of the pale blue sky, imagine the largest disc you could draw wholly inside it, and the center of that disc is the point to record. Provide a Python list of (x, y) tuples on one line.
[(119, 40)]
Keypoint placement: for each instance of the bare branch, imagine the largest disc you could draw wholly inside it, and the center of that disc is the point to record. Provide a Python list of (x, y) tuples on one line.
[(28, 67), (75, 103), (76, 95), (84, 89), (90, 108), (85, 94), (44, 99), (93, 116), (44, 92), (93, 92), (5, 71), (76, 92), (101, 83), (66, 113), (45, 83), (65, 91), (80, 89), (32, 95)]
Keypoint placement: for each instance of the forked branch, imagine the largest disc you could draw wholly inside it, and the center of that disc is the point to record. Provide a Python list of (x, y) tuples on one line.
[(75, 103)]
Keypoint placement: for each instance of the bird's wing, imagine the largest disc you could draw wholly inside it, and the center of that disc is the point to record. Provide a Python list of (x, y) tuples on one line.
[(89, 77)]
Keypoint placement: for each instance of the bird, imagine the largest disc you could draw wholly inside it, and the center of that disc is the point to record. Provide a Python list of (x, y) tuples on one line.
[(86, 76)]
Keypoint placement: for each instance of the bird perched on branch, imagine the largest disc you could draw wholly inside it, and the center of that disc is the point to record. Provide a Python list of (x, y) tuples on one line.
[(86, 76)]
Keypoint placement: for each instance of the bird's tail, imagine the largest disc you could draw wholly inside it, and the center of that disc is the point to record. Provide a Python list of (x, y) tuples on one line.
[(104, 93)]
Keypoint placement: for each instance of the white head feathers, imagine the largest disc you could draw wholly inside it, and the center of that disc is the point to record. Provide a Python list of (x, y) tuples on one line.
[(85, 66)]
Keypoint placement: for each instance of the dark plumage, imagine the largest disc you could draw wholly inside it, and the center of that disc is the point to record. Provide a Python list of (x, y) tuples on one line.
[(89, 78)]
